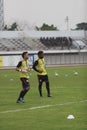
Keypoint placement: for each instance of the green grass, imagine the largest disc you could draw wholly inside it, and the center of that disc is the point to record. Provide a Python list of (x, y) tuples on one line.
[(64, 89)]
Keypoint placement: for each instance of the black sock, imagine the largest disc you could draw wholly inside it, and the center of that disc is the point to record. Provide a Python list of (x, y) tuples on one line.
[(25, 91), (40, 89), (21, 94), (48, 88)]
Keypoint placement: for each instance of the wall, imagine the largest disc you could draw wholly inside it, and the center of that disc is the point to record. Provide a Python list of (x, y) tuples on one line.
[(51, 58), (66, 59), (12, 60)]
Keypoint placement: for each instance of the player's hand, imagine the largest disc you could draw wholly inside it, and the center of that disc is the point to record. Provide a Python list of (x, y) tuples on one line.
[(24, 71), (29, 69)]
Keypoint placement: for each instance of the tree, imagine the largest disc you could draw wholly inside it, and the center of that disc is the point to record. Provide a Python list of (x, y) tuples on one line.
[(46, 27), (81, 26), (13, 27), (5, 27)]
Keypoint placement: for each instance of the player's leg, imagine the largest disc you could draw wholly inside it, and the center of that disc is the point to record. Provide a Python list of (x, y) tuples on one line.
[(47, 85), (26, 87), (40, 82)]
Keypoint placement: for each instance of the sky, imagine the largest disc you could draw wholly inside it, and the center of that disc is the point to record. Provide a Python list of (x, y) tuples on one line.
[(37, 12)]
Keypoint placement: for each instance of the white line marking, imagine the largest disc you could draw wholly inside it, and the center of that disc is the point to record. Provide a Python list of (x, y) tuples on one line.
[(40, 107)]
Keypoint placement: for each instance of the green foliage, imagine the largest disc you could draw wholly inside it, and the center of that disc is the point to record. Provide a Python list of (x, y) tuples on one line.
[(81, 26), (46, 27), (13, 27), (65, 88)]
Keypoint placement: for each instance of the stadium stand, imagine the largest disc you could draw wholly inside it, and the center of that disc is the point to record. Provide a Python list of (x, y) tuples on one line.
[(57, 43), (20, 44), (63, 43), (61, 48), (43, 43)]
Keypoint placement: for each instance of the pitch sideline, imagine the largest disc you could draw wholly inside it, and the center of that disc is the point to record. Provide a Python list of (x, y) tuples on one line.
[(40, 107)]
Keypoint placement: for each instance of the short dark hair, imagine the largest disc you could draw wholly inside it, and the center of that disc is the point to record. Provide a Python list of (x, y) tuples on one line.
[(40, 52), (23, 54)]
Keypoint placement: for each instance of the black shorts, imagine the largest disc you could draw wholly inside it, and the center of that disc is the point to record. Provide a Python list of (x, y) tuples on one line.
[(43, 78), (25, 83)]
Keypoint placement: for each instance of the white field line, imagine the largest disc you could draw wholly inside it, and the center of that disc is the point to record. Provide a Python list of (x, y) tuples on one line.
[(40, 107)]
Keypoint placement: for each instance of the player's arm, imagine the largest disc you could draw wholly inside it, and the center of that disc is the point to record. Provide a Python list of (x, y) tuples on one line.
[(35, 67), (18, 66)]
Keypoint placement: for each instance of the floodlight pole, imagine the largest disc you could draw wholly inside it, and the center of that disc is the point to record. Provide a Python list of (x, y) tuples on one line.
[(67, 23), (1, 15)]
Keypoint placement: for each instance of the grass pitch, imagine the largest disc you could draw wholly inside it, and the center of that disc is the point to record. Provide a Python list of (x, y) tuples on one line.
[(69, 97)]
